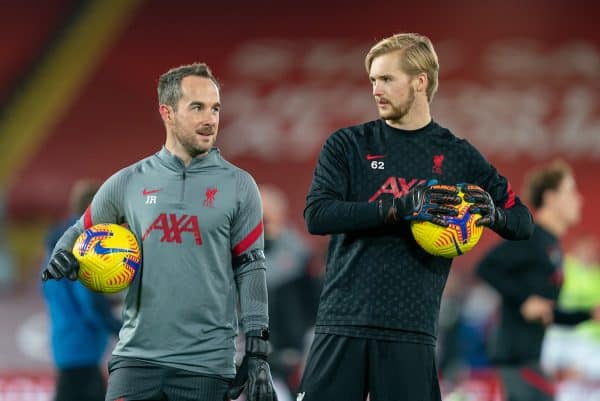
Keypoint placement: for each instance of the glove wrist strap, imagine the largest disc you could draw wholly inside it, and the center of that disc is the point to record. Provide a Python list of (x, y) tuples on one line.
[(499, 220), (257, 347), (388, 211)]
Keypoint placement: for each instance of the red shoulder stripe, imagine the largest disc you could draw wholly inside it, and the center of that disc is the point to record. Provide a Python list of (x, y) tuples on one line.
[(249, 240), (87, 218), (510, 201)]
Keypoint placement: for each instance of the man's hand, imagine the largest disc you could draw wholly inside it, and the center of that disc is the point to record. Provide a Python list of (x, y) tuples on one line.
[(425, 203), (483, 204), (63, 264), (254, 374), (538, 309)]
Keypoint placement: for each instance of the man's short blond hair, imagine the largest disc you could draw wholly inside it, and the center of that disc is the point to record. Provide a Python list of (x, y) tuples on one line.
[(416, 54)]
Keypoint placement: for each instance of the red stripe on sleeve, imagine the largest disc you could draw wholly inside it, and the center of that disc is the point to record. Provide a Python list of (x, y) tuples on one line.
[(510, 202), (249, 240), (87, 218)]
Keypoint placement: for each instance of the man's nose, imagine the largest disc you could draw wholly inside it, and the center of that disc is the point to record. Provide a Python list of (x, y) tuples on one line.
[(210, 118), (377, 91)]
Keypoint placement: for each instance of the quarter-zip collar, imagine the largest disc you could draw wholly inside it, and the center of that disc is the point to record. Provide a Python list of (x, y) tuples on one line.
[(175, 163)]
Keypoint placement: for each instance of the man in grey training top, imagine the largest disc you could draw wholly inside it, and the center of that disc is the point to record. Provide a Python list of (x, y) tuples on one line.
[(198, 219)]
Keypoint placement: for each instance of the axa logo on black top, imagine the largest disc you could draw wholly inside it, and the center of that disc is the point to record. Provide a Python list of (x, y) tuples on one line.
[(396, 186)]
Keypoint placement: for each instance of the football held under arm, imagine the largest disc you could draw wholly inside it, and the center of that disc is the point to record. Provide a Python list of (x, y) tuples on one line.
[(106, 207)]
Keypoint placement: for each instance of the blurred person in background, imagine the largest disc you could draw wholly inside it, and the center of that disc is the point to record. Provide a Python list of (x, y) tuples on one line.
[(528, 276), (81, 321), (198, 219), (377, 319), (293, 290), (573, 353)]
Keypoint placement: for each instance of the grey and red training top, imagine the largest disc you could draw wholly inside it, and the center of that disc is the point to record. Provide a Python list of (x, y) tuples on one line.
[(194, 225)]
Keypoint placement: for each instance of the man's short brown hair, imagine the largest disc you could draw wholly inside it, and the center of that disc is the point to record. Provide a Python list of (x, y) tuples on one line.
[(169, 83), (545, 178)]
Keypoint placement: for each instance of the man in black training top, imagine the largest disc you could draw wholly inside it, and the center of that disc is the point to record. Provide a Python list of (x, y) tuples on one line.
[(377, 318), (528, 276)]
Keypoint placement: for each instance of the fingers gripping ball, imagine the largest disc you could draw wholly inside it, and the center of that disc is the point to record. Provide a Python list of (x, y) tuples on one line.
[(109, 257), (459, 237)]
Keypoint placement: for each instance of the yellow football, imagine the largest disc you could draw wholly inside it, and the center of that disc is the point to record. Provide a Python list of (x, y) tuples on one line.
[(459, 237), (109, 257)]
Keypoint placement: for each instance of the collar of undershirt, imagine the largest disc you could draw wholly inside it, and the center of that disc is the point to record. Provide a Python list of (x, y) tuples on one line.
[(424, 129)]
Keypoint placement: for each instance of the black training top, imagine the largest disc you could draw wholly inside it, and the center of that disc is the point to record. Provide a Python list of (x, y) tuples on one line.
[(518, 270), (379, 283)]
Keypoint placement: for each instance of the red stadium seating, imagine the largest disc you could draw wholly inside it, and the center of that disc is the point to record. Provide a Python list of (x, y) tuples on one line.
[(26, 28)]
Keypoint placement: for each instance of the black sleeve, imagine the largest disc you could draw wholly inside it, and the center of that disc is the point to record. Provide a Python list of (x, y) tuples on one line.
[(519, 222), (327, 211), (570, 318), (500, 269)]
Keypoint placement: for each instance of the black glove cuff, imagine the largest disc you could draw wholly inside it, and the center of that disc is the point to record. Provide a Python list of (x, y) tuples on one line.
[(257, 344), (499, 220), (257, 347), (391, 210)]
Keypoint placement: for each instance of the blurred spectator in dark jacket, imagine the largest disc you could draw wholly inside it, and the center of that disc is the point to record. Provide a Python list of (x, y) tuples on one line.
[(528, 275)]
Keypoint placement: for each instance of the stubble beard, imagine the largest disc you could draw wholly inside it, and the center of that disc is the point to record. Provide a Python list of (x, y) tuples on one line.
[(398, 112), (190, 144)]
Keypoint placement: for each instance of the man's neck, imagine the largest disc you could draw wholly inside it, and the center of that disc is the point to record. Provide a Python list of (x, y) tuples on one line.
[(408, 125), (548, 221), (180, 153)]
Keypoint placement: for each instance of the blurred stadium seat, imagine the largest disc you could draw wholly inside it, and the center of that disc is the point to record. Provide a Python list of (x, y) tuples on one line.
[(27, 26)]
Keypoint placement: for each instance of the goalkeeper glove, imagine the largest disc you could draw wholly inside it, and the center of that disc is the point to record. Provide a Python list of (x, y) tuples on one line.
[(254, 372), (423, 202), (483, 204), (63, 264)]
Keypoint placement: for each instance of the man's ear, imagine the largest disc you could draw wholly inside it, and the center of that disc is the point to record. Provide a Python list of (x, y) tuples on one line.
[(421, 82), (166, 113)]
